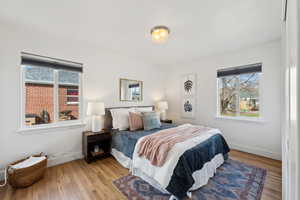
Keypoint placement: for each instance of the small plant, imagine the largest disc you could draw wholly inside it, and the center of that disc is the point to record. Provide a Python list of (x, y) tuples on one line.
[(66, 115), (45, 117)]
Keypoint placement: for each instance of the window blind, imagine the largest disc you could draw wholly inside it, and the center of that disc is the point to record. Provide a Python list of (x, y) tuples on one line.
[(43, 61), (134, 85), (252, 68)]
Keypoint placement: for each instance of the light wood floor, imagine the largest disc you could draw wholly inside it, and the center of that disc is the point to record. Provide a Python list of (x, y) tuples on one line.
[(79, 180)]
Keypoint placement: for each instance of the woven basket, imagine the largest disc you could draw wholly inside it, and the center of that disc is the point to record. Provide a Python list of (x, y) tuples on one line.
[(20, 178)]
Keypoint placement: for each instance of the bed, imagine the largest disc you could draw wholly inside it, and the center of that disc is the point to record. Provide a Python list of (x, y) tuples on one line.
[(189, 164)]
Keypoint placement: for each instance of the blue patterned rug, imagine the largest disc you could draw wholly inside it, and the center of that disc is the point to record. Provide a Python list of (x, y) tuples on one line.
[(233, 181)]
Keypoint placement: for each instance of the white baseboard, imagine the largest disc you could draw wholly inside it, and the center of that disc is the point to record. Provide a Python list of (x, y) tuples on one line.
[(63, 158), (257, 151)]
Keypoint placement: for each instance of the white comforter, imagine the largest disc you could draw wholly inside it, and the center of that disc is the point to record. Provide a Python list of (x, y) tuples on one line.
[(162, 175)]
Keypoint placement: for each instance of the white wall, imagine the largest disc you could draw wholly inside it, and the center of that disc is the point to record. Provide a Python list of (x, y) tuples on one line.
[(259, 138), (102, 70)]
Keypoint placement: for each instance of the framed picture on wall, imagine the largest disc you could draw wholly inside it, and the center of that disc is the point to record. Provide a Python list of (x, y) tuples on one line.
[(188, 85), (188, 108), (188, 94)]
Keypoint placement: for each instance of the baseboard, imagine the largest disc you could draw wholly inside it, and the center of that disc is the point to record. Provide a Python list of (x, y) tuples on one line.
[(63, 158), (257, 151)]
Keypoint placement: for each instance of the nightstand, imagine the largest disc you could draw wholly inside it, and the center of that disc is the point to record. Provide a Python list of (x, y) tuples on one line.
[(101, 139), (169, 121)]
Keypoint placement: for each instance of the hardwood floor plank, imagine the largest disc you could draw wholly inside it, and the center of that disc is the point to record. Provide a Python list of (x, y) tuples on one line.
[(78, 180)]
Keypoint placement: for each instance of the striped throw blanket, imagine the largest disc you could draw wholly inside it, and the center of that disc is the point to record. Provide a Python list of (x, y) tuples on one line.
[(155, 147)]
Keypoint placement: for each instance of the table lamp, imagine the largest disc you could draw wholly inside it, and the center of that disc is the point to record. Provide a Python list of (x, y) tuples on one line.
[(162, 106), (96, 110)]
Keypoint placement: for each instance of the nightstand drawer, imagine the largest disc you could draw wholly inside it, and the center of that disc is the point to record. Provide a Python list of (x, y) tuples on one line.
[(98, 137), (169, 121)]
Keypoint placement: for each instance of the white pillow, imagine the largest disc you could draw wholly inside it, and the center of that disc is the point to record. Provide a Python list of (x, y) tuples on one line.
[(144, 109), (120, 118)]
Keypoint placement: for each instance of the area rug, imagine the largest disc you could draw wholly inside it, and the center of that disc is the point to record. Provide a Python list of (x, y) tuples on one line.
[(234, 180)]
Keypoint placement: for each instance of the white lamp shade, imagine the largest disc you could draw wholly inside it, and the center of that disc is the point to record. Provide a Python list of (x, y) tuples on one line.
[(95, 109), (162, 105)]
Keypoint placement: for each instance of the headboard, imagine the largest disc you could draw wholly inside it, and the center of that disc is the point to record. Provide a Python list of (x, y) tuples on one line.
[(108, 117)]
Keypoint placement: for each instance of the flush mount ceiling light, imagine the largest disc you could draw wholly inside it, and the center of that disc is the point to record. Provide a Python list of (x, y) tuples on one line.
[(160, 33)]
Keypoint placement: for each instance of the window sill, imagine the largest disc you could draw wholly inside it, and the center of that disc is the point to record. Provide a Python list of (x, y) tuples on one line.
[(243, 119), (51, 127)]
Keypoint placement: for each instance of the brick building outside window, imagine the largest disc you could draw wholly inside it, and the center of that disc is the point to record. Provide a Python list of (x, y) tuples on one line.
[(39, 98), (51, 94)]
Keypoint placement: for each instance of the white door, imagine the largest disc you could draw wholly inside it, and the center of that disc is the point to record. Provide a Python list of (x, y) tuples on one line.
[(290, 137)]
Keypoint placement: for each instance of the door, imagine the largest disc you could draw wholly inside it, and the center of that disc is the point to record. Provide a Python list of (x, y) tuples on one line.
[(290, 130)]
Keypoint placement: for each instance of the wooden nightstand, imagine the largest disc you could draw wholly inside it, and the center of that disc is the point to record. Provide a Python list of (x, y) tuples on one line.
[(169, 121), (90, 140)]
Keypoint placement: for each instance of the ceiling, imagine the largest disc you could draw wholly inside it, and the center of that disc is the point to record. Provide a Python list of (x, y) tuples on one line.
[(198, 27)]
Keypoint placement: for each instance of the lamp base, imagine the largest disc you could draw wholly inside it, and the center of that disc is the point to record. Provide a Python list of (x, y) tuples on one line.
[(96, 124)]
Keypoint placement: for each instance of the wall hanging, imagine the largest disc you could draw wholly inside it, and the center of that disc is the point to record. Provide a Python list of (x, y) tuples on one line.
[(189, 93)]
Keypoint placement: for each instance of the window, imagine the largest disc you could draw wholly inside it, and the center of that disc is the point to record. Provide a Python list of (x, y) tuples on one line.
[(51, 91), (238, 91)]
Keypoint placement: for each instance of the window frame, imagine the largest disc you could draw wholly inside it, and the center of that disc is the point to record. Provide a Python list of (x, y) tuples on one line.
[(56, 123), (259, 119)]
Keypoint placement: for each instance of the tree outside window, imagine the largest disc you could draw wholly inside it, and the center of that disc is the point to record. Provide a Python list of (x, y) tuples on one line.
[(239, 93)]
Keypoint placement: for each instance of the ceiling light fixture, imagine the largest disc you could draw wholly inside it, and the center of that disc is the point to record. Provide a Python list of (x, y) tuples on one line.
[(160, 33)]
